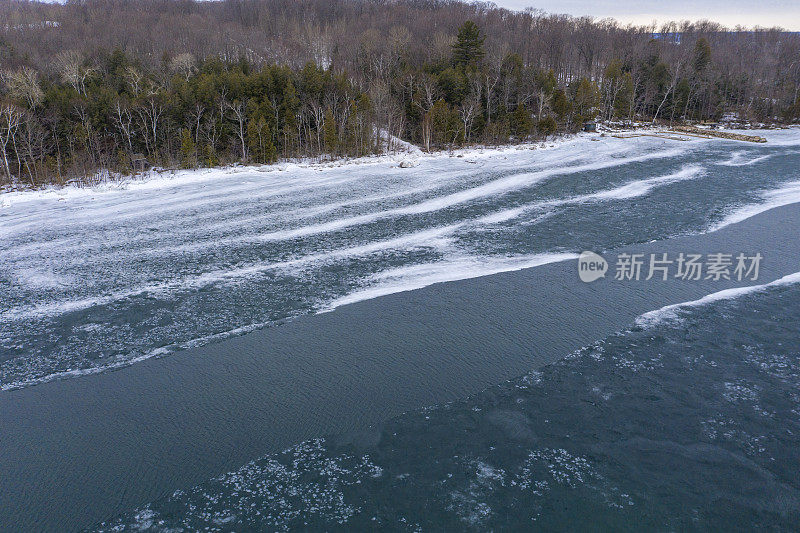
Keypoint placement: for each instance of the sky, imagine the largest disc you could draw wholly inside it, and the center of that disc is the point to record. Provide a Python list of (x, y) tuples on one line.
[(783, 13)]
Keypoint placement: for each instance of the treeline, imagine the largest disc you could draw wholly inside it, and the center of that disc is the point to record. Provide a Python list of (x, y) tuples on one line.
[(116, 116), (119, 85)]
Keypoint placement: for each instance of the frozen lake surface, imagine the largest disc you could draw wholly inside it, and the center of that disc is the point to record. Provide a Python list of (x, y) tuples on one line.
[(658, 420), (93, 279)]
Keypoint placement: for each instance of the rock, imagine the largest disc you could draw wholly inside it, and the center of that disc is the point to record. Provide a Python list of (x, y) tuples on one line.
[(408, 163)]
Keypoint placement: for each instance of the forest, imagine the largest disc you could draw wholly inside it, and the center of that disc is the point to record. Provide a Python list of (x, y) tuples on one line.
[(105, 87)]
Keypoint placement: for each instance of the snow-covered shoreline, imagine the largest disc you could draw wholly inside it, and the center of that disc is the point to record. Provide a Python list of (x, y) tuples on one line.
[(157, 179), (407, 157)]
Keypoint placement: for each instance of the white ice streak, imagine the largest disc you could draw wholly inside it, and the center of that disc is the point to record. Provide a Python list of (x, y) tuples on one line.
[(224, 221), (215, 206), (786, 194), (149, 205), (671, 312), (297, 214), (121, 362), (228, 204), (629, 190), (494, 188), (221, 191), (393, 281), (227, 194), (458, 268), (434, 238), (207, 237), (740, 159)]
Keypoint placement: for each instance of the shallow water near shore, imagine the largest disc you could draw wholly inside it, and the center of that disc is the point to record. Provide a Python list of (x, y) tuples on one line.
[(492, 461)]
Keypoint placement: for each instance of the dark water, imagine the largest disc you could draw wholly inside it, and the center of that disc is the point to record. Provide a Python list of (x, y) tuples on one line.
[(671, 426)]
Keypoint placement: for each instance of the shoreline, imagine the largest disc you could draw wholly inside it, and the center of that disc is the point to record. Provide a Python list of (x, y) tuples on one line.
[(154, 179), (412, 155), (173, 422)]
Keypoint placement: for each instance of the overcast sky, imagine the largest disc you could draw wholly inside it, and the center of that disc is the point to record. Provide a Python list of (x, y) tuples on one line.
[(783, 13)]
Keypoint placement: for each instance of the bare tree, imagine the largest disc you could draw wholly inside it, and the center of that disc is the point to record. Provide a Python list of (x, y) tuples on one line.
[(183, 65), (196, 114), (23, 85), (319, 44), (239, 110), (670, 89), (135, 80), (470, 107), (123, 120), (428, 94), (150, 113), (10, 119), (33, 146), (71, 67)]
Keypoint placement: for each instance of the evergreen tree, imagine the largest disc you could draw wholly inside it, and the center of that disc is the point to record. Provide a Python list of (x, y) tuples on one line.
[(586, 98), (210, 158), (622, 104), (444, 124), (289, 107), (521, 122), (792, 114), (329, 132), (546, 81), (702, 54), (468, 48), (188, 149), (547, 126), (561, 104), (259, 141)]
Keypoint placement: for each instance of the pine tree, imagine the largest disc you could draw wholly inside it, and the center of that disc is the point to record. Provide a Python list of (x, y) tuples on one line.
[(586, 98), (289, 108), (547, 126), (546, 81), (560, 104), (210, 158), (622, 105), (521, 123), (702, 54), (259, 141), (188, 149), (468, 48), (329, 132), (444, 124)]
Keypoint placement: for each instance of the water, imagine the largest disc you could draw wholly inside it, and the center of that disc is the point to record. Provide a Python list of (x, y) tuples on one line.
[(667, 426), (95, 280)]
